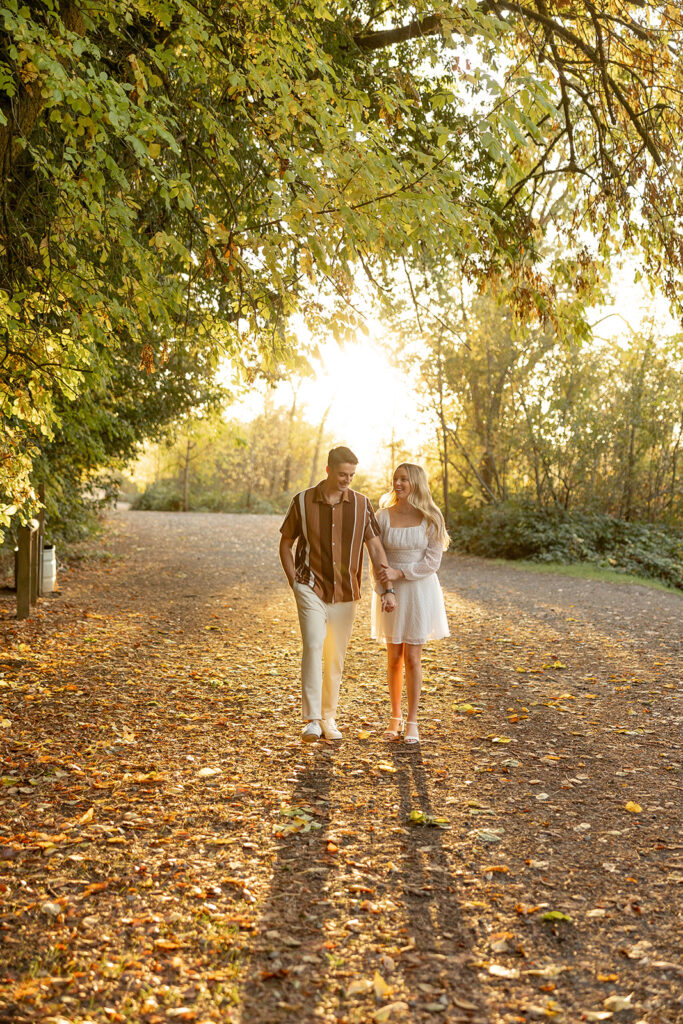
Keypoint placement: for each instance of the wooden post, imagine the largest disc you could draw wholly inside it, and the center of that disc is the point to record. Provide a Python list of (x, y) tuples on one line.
[(27, 568), (24, 572), (41, 538)]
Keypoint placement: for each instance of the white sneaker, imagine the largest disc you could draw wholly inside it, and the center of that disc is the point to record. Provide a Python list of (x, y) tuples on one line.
[(330, 730), (311, 732)]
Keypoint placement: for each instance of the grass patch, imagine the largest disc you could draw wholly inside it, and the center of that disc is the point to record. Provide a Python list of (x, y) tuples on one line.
[(584, 571)]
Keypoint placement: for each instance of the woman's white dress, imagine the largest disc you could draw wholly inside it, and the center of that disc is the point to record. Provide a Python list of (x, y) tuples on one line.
[(420, 613)]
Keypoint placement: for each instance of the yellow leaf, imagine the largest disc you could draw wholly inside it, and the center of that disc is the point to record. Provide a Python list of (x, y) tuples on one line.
[(86, 817), (382, 990), (633, 807), (501, 739), (363, 734), (384, 766)]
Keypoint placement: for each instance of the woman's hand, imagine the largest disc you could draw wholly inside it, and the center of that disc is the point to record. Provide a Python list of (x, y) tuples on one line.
[(388, 602), (387, 575)]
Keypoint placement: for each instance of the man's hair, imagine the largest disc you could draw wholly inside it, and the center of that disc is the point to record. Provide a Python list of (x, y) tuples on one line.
[(339, 455)]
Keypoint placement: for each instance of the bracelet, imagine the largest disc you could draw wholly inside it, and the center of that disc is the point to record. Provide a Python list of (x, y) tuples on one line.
[(389, 591)]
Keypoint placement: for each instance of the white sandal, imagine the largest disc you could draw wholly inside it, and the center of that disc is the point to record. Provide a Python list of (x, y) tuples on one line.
[(391, 735), (412, 740)]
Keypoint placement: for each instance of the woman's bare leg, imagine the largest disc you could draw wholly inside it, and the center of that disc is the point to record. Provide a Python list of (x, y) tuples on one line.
[(413, 664), (395, 683)]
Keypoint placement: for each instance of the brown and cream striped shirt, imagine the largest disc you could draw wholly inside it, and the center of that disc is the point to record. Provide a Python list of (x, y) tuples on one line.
[(330, 538)]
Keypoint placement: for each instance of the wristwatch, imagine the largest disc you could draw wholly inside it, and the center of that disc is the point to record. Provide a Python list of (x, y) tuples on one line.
[(390, 590)]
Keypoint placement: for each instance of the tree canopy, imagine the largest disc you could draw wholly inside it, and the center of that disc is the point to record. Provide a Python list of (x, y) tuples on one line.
[(183, 177)]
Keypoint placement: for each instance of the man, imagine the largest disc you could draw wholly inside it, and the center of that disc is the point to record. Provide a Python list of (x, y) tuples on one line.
[(329, 523)]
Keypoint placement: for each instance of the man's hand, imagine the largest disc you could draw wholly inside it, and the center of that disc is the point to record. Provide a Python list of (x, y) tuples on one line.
[(388, 602), (387, 575)]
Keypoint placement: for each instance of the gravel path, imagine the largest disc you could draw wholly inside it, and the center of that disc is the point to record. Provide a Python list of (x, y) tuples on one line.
[(170, 851)]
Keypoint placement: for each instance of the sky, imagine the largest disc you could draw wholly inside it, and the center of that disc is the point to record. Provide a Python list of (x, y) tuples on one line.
[(369, 400)]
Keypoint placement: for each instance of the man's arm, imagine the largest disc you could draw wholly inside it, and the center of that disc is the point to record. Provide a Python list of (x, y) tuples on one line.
[(380, 562), (287, 558)]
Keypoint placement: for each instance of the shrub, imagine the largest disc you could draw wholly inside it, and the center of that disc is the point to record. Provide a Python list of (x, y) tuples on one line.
[(161, 496), (517, 530)]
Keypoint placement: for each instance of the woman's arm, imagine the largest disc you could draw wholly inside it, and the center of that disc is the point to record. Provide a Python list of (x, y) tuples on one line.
[(430, 561)]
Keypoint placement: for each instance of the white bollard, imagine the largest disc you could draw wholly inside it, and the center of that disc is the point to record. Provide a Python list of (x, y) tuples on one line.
[(49, 568)]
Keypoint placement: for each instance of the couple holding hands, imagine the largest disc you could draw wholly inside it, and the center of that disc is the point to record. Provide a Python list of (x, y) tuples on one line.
[(329, 524)]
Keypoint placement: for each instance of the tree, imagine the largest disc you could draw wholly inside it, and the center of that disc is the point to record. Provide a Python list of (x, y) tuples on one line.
[(179, 176), (119, 410), (225, 465)]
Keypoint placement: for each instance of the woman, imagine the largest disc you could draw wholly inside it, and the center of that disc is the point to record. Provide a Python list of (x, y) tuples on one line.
[(414, 536)]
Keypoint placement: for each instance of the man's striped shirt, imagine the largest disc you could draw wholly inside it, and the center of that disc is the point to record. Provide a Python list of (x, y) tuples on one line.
[(330, 538)]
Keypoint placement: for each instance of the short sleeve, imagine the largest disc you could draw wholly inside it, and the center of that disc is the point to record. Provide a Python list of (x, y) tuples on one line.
[(291, 524), (371, 524)]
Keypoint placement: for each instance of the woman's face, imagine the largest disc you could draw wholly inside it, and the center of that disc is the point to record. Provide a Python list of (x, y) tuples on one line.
[(402, 483)]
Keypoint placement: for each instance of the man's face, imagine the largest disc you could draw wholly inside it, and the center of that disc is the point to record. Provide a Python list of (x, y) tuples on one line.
[(341, 476)]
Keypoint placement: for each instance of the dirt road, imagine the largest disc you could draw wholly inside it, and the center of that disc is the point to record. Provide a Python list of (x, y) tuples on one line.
[(170, 851)]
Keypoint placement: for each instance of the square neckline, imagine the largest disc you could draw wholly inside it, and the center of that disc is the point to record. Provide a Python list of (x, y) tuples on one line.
[(415, 526)]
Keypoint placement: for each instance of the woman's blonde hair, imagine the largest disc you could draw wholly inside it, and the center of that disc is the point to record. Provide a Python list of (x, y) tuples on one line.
[(420, 497)]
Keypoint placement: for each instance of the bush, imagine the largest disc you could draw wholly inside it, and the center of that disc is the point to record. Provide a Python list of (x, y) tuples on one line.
[(162, 496), (517, 530), (166, 496)]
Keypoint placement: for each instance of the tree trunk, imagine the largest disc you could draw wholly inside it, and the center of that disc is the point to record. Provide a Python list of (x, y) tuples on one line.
[(444, 448), (27, 106), (318, 445), (186, 477), (286, 476)]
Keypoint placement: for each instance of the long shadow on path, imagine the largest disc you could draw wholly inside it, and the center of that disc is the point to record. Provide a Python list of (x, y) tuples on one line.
[(361, 895)]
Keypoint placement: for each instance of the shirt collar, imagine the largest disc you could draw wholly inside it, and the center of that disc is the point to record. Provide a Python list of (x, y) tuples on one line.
[(319, 493)]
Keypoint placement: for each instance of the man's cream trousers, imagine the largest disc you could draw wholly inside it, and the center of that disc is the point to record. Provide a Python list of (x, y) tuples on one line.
[(325, 633)]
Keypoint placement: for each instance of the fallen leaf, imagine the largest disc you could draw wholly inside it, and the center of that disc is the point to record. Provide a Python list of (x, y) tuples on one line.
[(391, 1010), (363, 734), (206, 773), (489, 835), (618, 1003), (382, 990), (498, 971), (51, 909), (462, 1004), (421, 818), (359, 987), (633, 807), (555, 915)]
